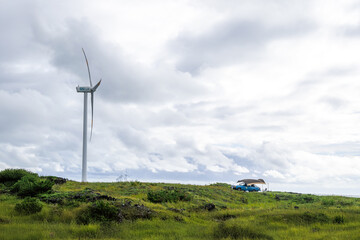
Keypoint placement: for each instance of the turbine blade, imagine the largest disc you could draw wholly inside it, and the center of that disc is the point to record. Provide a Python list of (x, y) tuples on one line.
[(96, 86), (92, 105), (92, 113), (87, 64)]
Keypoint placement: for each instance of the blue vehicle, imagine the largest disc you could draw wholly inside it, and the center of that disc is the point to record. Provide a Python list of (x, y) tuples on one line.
[(248, 185)]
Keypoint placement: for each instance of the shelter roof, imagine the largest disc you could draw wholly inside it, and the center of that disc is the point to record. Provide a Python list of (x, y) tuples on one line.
[(252, 181)]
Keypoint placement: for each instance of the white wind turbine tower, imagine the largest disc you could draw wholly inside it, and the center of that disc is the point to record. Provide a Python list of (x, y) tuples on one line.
[(87, 90)]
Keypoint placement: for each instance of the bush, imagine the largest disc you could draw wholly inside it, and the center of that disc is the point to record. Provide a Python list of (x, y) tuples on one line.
[(339, 202), (28, 206), (10, 176), (3, 188), (220, 185), (346, 202), (4, 220), (304, 198), (30, 186), (73, 198), (105, 212), (237, 232), (100, 211), (168, 196), (56, 180), (328, 202), (133, 212), (302, 218), (339, 219), (54, 198), (224, 216), (309, 217)]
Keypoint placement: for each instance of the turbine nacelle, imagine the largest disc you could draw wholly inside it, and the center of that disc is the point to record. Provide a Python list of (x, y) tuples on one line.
[(83, 89), (88, 89)]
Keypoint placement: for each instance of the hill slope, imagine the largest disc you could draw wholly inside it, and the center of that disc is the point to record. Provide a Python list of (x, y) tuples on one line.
[(136, 210)]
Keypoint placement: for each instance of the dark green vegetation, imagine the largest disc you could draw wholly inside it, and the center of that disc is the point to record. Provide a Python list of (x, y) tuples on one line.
[(33, 207), (28, 206), (170, 195)]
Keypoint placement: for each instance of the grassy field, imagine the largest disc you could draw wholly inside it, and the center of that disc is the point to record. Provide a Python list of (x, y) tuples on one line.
[(176, 211)]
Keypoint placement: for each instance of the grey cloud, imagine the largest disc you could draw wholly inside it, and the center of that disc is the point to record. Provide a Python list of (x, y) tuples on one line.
[(314, 82), (22, 113), (341, 71), (199, 110), (168, 117), (339, 149), (243, 161), (281, 113), (223, 112), (38, 131), (124, 80), (15, 31), (203, 177), (268, 128), (155, 121), (334, 102), (231, 41), (270, 155), (133, 138), (305, 87), (350, 30)]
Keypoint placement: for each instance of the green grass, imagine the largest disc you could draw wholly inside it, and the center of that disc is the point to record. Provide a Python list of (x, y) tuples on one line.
[(237, 215)]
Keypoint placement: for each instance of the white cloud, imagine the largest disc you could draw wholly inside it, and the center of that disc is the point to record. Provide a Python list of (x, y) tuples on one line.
[(274, 174), (204, 91), (239, 170)]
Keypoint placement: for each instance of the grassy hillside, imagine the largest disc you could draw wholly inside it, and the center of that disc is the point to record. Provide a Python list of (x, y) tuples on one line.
[(136, 210)]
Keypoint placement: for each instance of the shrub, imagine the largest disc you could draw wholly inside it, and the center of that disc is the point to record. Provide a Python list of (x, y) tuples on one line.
[(4, 220), (54, 198), (135, 183), (339, 219), (10, 176), (133, 212), (346, 202), (341, 202), (237, 232), (302, 218), (209, 206), (28, 206), (304, 198), (73, 198), (283, 197), (224, 216), (328, 202), (100, 211), (309, 217), (105, 212), (56, 180), (30, 186), (173, 195), (89, 195), (220, 185), (2, 188)]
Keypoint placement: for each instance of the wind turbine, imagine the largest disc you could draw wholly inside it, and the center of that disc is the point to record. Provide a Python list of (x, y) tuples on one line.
[(87, 90)]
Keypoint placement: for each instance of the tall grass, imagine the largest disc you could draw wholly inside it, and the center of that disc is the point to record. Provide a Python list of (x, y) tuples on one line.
[(237, 215)]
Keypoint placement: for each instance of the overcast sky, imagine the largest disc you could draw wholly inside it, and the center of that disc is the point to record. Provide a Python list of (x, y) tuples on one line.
[(193, 91)]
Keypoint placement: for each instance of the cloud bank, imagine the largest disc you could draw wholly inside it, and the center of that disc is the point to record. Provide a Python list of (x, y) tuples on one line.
[(201, 92)]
